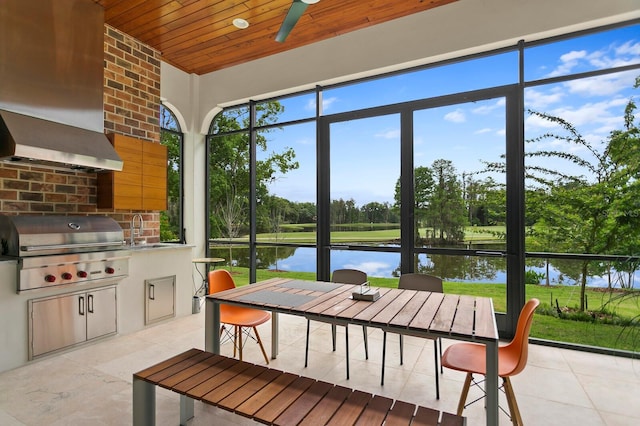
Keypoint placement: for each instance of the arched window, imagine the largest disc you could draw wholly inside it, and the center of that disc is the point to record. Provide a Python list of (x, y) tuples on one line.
[(171, 220)]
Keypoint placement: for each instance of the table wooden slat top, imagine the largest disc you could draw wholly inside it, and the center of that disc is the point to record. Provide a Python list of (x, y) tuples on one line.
[(405, 311)]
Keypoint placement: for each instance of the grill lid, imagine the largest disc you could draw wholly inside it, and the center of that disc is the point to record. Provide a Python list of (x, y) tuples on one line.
[(24, 236)]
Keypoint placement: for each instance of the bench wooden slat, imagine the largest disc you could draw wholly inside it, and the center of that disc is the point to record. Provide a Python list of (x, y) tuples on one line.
[(240, 395), (232, 385), (178, 367), (273, 408), (187, 373), (293, 414), (326, 407), (376, 411), (220, 377), (204, 375), (426, 417), (275, 397), (401, 414), (449, 419), (166, 363), (351, 409), (251, 406)]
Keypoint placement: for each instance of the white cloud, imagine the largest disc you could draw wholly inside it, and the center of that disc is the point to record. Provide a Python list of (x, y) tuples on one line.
[(603, 85), (481, 131), (486, 109), (538, 100), (501, 132), (568, 61), (389, 134), (456, 116), (326, 104)]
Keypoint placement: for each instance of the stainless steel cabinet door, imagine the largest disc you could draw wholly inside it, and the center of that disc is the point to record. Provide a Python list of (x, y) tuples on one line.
[(101, 312), (160, 295), (57, 322)]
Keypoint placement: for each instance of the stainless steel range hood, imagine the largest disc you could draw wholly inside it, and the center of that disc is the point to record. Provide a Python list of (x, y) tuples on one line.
[(29, 140), (51, 85)]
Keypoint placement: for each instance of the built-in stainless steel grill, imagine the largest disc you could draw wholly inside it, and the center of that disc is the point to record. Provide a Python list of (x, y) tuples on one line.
[(64, 250)]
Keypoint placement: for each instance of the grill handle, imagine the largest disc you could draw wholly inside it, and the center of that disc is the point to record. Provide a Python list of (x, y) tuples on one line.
[(71, 246), (81, 305)]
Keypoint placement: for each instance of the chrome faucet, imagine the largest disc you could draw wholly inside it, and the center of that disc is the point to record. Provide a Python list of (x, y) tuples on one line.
[(136, 227)]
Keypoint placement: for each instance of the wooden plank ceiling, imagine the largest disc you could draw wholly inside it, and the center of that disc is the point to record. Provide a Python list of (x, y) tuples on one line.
[(198, 36)]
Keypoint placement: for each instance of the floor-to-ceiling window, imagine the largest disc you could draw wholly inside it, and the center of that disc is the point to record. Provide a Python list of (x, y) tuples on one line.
[(446, 170), (171, 220)]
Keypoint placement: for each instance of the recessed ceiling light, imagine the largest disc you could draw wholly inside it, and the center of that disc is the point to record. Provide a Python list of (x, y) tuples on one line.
[(310, 1), (241, 23)]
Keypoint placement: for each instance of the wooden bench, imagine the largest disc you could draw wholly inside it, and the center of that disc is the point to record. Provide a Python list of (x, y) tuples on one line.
[(268, 395)]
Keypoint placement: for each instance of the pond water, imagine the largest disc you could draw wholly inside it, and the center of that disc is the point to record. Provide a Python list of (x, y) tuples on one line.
[(380, 264)]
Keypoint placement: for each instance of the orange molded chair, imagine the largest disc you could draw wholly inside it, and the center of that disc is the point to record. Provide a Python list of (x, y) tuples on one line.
[(419, 282), (344, 276), (237, 316), (512, 358)]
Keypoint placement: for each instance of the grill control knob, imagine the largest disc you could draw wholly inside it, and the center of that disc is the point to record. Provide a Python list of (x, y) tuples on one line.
[(50, 278), (82, 274), (109, 270), (66, 276)]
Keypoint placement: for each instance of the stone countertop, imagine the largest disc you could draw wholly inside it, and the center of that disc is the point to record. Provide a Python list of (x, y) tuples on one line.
[(157, 246)]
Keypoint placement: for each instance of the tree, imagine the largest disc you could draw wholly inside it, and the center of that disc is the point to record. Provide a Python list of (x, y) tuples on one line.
[(229, 161), (594, 212), (446, 211)]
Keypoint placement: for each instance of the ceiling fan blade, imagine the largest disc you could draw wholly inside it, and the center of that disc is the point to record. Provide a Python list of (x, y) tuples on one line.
[(295, 12)]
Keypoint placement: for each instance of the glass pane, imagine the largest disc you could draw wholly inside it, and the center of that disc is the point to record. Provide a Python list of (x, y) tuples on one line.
[(273, 262), (170, 219), (607, 49), (579, 174), (470, 275), (168, 121), (229, 188), (289, 109), (608, 311), (230, 120), (381, 267), (286, 184), (458, 202), (425, 83), (365, 167)]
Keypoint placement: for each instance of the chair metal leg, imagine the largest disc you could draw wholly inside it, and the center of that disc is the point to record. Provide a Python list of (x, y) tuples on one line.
[(440, 349), (516, 419), (465, 392), (346, 336), (333, 336), (401, 349), (235, 341), (306, 349), (366, 342), (240, 337), (435, 356), (384, 353)]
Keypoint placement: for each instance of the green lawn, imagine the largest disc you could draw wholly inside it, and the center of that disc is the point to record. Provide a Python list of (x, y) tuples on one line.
[(547, 324)]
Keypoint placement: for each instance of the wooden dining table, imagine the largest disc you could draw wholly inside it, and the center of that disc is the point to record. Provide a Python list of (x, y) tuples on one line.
[(408, 312)]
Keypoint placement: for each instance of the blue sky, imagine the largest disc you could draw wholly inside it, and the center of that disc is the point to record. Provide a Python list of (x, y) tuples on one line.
[(366, 153)]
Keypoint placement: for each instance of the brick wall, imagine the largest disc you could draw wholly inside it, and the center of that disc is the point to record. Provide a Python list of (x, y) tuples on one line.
[(131, 107)]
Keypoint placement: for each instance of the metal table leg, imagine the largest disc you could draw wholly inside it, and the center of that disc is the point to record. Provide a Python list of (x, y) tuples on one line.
[(491, 383), (144, 403)]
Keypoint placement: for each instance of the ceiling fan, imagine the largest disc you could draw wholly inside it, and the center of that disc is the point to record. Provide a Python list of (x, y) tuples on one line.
[(295, 12)]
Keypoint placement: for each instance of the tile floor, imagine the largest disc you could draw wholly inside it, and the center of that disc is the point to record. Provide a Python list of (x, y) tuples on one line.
[(92, 384)]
